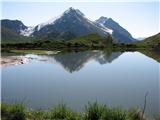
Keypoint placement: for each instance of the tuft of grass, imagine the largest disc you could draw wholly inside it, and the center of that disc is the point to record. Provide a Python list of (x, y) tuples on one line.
[(157, 117), (37, 115), (13, 112), (94, 111), (133, 114), (114, 114), (63, 112)]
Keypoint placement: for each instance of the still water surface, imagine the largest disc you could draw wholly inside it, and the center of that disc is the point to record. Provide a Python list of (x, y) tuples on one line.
[(116, 79)]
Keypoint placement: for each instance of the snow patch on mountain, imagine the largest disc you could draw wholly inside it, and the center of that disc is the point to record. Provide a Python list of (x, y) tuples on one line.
[(50, 22), (102, 20), (110, 31), (27, 32), (105, 29)]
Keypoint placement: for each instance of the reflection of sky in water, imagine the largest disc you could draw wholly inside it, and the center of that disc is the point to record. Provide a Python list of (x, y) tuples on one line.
[(120, 80)]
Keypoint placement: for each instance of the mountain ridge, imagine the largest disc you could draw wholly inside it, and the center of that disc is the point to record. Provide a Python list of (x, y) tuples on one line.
[(71, 23)]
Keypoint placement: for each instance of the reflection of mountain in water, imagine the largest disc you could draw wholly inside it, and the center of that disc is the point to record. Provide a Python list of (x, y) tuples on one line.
[(74, 61), (108, 58)]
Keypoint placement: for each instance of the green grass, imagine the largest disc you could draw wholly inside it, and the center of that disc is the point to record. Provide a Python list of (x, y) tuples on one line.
[(157, 117), (114, 114), (13, 112), (88, 41), (63, 112), (92, 111)]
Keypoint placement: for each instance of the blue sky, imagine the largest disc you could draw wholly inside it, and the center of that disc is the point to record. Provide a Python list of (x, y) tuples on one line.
[(141, 19)]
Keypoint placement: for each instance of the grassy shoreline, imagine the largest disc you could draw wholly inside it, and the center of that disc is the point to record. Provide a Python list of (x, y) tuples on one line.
[(92, 111)]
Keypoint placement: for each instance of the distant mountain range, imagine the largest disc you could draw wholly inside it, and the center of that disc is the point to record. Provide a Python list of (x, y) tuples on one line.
[(140, 38), (71, 24)]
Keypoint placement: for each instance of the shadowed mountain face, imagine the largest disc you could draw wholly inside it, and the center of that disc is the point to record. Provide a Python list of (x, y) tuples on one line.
[(7, 34), (15, 26), (76, 60), (118, 32)]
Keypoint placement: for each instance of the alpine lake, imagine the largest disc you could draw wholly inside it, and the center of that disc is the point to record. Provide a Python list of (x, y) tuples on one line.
[(117, 79)]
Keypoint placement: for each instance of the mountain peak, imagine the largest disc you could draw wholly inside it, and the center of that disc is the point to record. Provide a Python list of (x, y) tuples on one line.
[(72, 10), (69, 12), (110, 19), (102, 20)]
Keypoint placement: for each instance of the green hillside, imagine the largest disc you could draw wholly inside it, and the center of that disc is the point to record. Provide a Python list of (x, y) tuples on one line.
[(92, 40), (151, 42), (8, 35)]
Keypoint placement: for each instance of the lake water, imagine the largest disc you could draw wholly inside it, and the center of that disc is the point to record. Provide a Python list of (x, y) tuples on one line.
[(116, 79)]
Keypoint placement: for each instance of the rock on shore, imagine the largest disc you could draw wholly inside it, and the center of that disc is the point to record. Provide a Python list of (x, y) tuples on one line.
[(13, 60)]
